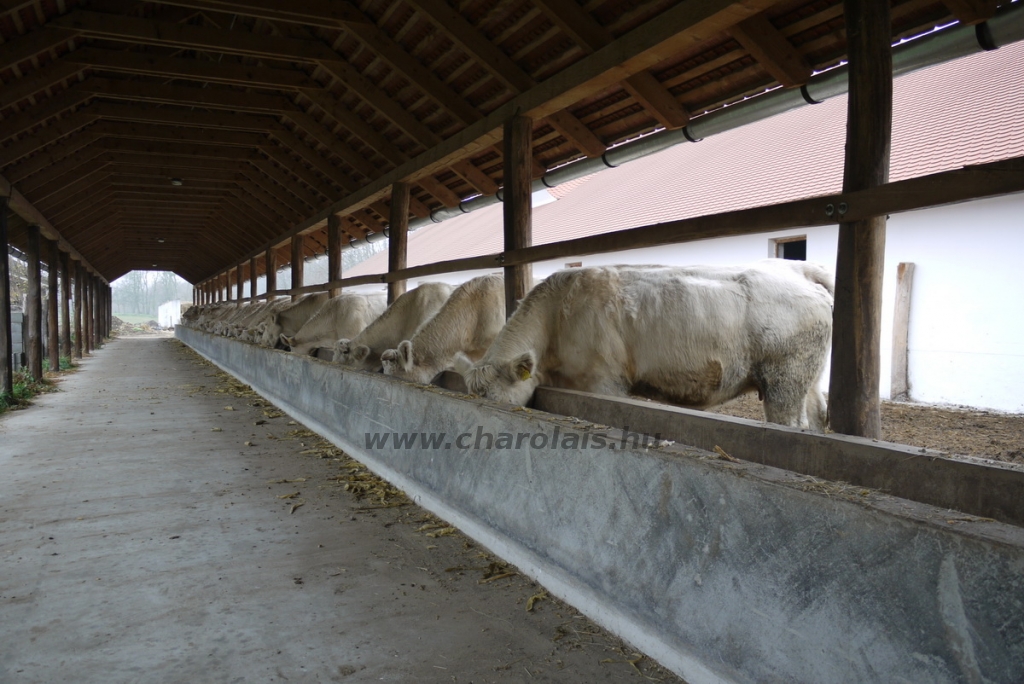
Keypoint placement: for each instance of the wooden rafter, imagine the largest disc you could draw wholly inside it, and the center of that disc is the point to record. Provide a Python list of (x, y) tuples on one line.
[(591, 36), (777, 55)]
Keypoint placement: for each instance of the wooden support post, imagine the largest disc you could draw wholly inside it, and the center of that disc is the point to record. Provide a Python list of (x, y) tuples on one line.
[(239, 283), (518, 209), (79, 309), (853, 391), (94, 309), (227, 287), (298, 263), (334, 253), (65, 305), (398, 237), (270, 259), (107, 302), (252, 280), (899, 377), (87, 312), (101, 312), (52, 302), (34, 306), (6, 341)]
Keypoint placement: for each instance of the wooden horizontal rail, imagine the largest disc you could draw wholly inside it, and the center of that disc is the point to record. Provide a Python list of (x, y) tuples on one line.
[(947, 187)]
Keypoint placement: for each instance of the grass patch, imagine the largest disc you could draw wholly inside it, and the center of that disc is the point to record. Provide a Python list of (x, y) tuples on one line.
[(24, 390), (136, 319), (65, 364)]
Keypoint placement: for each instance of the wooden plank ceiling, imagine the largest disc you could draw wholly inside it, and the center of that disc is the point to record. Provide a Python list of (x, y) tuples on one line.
[(274, 112)]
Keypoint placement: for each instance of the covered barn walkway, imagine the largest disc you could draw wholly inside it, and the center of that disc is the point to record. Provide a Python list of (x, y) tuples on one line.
[(142, 540)]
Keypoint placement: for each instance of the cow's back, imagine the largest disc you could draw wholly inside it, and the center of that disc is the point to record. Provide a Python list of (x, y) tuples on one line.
[(692, 335), (343, 316), (293, 317), (404, 317)]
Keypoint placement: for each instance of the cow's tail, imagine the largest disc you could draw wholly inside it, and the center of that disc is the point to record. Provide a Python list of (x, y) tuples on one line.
[(816, 273)]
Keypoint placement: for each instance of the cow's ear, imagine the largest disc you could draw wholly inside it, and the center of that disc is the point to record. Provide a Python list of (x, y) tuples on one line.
[(360, 352), (522, 366), (405, 354)]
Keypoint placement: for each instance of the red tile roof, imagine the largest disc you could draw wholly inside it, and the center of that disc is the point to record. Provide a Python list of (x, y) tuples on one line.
[(970, 111)]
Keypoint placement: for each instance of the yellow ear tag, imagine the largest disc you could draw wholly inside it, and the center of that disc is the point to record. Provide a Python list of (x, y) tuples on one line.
[(524, 374)]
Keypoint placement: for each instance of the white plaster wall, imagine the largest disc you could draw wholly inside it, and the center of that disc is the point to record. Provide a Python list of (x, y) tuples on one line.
[(966, 341), (168, 314)]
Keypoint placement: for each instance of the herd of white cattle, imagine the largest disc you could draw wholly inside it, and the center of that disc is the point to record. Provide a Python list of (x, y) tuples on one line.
[(691, 336)]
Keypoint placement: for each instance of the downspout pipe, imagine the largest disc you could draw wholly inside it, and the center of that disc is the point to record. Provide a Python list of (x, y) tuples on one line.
[(1007, 26)]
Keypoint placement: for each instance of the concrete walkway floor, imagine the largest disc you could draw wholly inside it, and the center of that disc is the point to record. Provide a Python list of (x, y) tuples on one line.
[(143, 540)]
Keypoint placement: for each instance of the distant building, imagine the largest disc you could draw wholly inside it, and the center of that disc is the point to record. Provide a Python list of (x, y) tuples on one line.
[(169, 314)]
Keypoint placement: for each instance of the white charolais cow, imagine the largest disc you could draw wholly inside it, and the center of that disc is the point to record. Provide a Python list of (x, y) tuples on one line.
[(467, 323), (343, 316), (695, 337), (399, 322), (287, 321)]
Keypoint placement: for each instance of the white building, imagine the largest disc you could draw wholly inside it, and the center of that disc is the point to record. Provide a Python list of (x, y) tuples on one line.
[(966, 333), (169, 314)]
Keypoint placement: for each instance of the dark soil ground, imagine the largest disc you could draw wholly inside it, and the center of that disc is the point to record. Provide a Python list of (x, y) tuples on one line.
[(955, 430)]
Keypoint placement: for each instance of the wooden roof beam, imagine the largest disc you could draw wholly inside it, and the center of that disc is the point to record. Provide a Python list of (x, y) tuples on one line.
[(279, 154), (772, 50), (305, 49), (34, 116), (311, 12), (23, 48), (475, 177), (972, 12), (56, 130), (505, 70), (577, 133), (123, 28), (181, 116), (350, 120), (39, 162), (67, 167), (367, 91), (439, 190), (263, 168), (290, 141), (400, 60), (261, 185), (37, 81), (578, 23), (228, 73)]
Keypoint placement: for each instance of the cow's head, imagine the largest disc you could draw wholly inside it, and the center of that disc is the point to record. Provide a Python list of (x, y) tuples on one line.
[(401, 363), (271, 334), (510, 382), (342, 351)]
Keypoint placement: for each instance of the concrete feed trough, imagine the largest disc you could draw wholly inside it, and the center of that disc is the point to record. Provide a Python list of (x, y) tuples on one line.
[(723, 570)]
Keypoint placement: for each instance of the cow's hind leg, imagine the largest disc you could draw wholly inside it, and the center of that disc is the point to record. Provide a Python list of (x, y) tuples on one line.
[(816, 409), (784, 406), (785, 391)]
